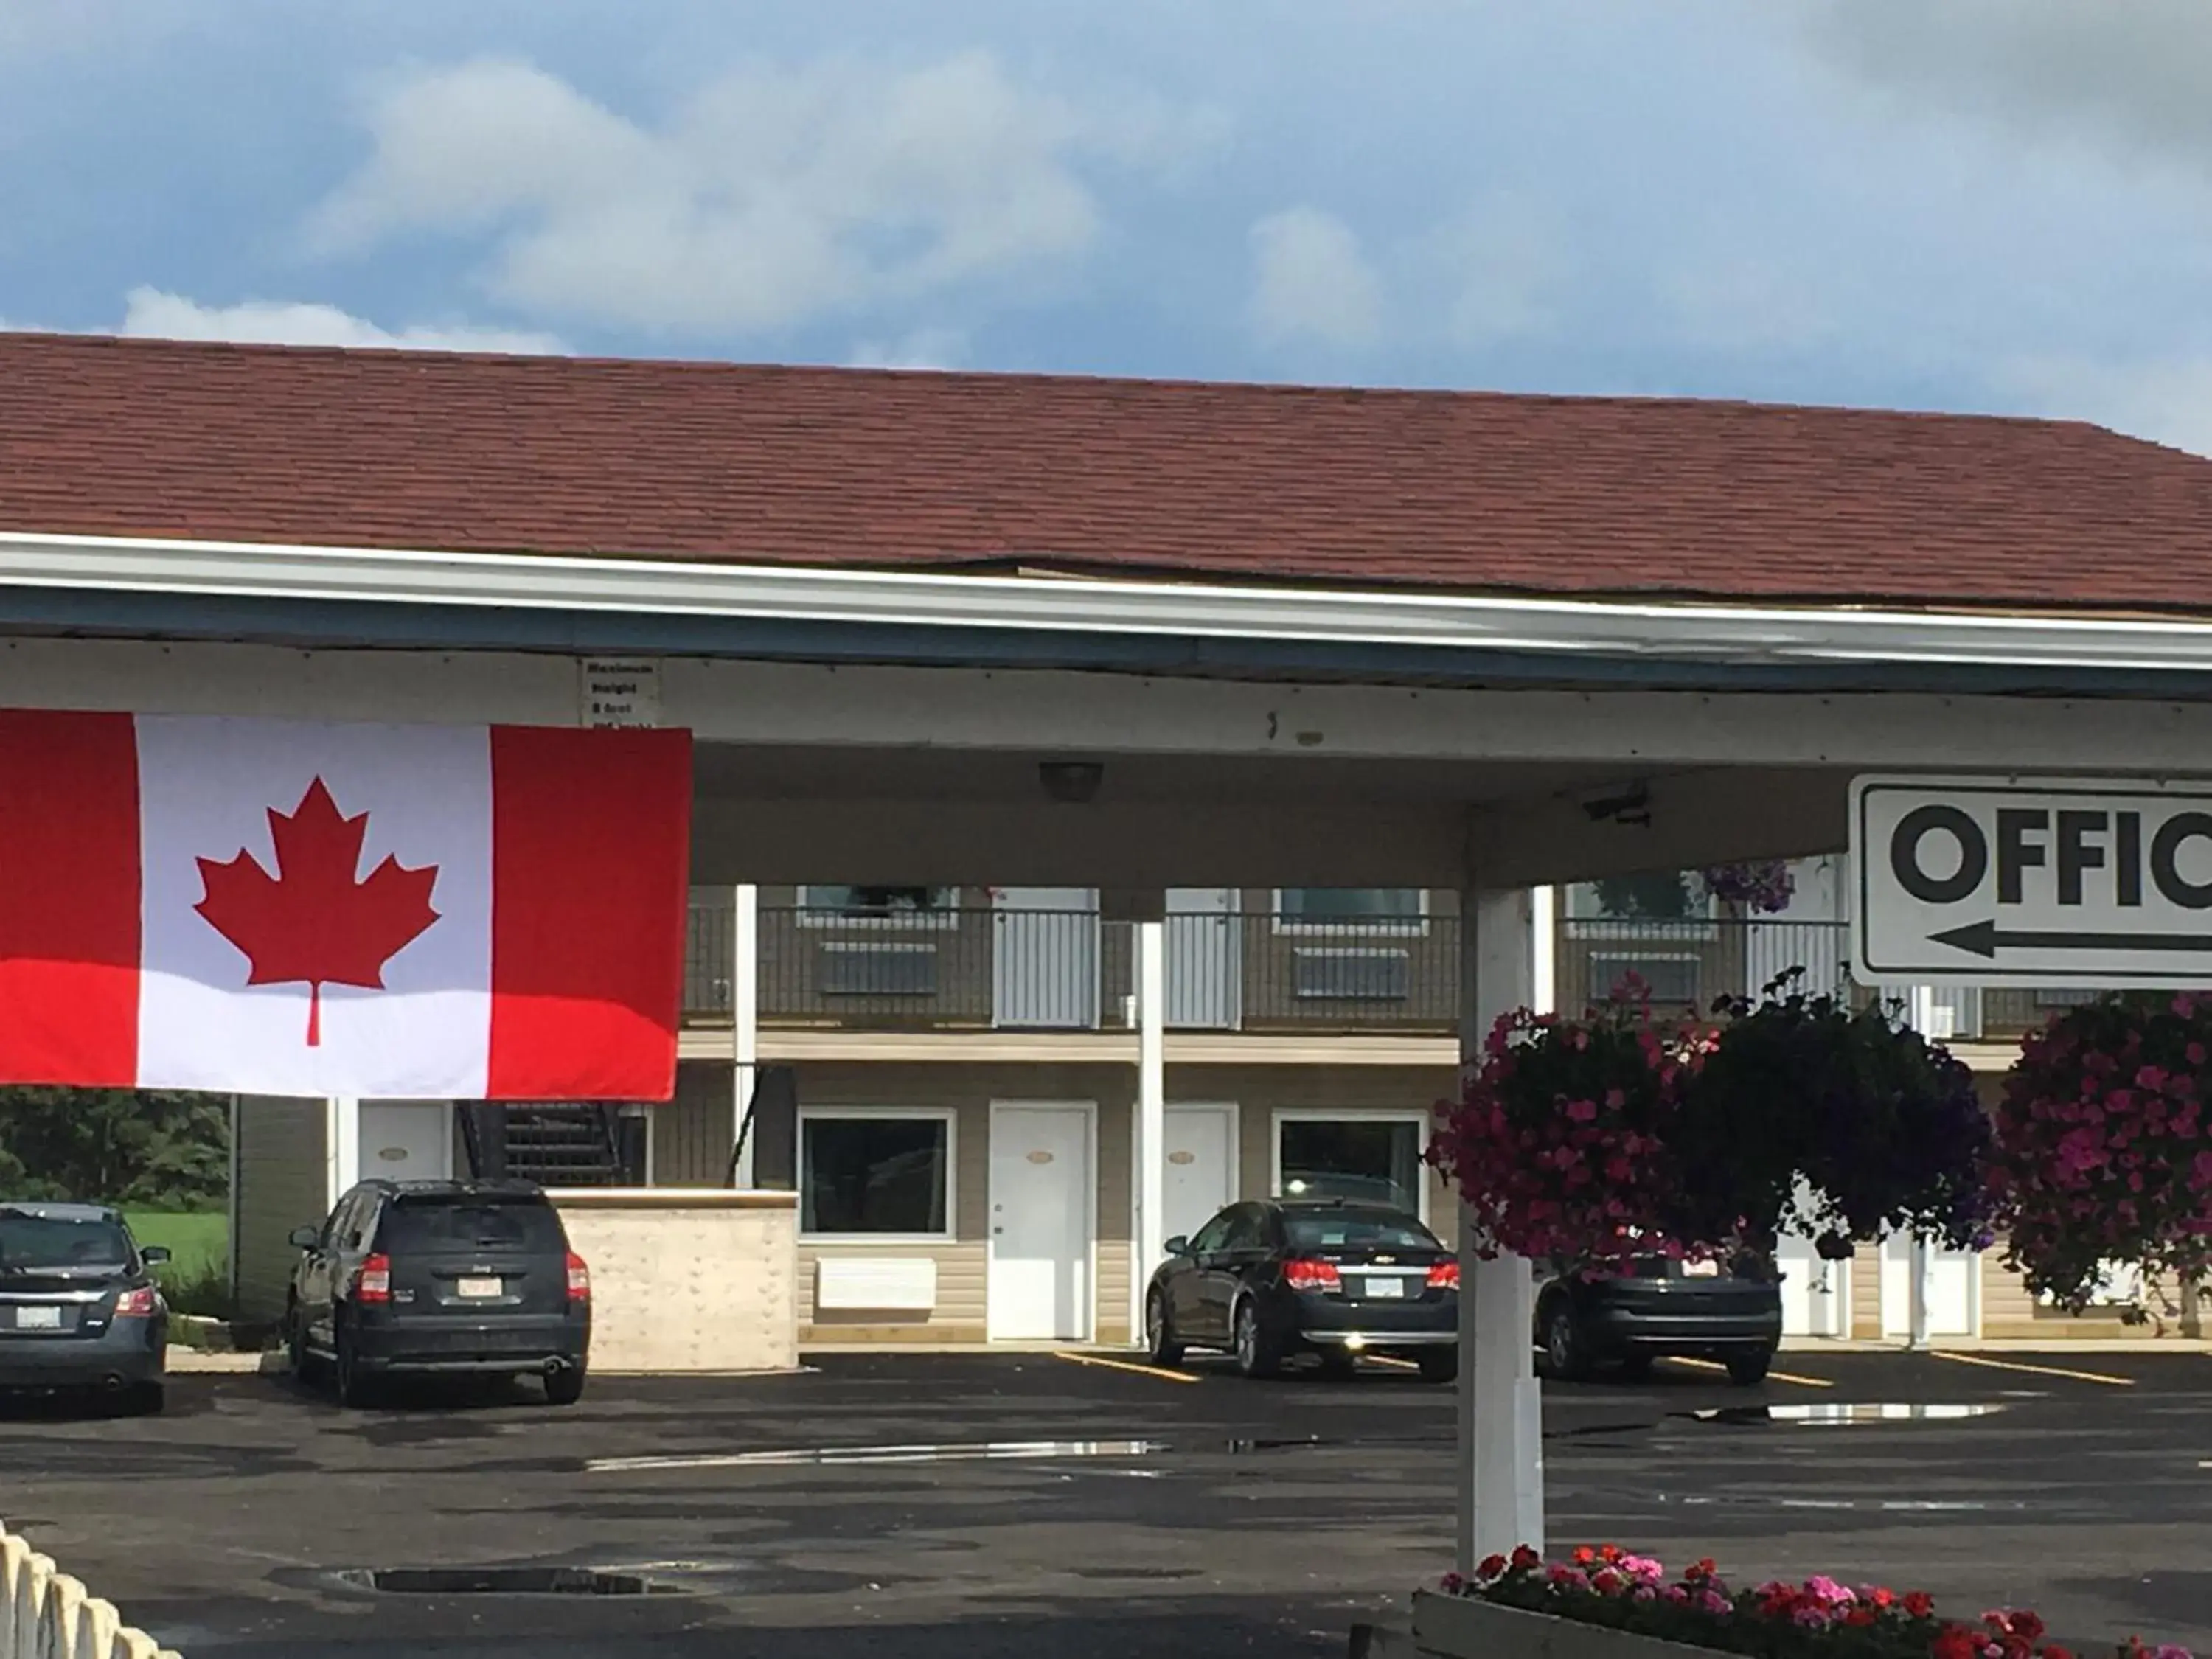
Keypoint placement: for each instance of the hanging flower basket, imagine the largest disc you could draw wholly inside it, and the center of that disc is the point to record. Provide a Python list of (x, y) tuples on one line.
[(2102, 1158), (1559, 1144), (1630, 1607), (1808, 1116), (1761, 887)]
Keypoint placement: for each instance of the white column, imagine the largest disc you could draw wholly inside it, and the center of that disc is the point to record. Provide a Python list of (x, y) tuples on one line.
[(1501, 1413), (236, 1115), (1152, 1101), (341, 1145), (744, 1013), (1920, 1274)]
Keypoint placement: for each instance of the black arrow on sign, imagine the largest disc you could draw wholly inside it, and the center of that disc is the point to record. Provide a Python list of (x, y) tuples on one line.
[(1985, 938)]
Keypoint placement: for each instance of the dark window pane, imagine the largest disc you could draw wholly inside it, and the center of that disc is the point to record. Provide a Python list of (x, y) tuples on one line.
[(1357, 1230), (1320, 905), (417, 1224), (1348, 1158), (873, 1175), (35, 1241)]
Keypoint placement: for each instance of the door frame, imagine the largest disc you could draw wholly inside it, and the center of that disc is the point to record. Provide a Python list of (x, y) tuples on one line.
[(1282, 1115), (1089, 1111), (1843, 1273), (1139, 1281), (447, 1133)]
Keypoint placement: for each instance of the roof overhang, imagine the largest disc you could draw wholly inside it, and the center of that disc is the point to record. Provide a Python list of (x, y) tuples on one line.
[(342, 596)]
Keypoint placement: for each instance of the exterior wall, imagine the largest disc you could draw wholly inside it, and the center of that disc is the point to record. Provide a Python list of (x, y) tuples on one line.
[(687, 1280), (960, 1314), (284, 1182), (694, 1134)]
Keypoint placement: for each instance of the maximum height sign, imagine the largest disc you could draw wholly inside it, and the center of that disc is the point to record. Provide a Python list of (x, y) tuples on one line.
[(2031, 881)]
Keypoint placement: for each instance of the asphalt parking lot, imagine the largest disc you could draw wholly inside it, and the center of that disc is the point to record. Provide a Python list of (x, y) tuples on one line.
[(916, 1507)]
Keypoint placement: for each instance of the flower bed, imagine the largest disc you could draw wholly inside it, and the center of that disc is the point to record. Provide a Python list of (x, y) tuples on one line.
[(1821, 1619)]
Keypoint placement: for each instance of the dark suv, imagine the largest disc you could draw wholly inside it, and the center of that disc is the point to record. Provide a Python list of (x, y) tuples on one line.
[(440, 1277), (79, 1308)]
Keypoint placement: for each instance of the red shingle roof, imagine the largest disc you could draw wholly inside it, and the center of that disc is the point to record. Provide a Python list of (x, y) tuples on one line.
[(821, 466)]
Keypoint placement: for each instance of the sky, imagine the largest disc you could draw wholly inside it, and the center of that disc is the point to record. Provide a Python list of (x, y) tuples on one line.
[(2000, 205)]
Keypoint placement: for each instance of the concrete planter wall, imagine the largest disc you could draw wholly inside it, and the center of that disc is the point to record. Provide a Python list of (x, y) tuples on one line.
[(1461, 1627)]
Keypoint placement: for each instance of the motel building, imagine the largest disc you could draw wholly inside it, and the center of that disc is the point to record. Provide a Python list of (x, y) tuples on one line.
[(1108, 798)]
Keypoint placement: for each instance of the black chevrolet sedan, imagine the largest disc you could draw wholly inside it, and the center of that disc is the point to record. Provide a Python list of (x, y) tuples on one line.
[(1328, 1278), (79, 1308)]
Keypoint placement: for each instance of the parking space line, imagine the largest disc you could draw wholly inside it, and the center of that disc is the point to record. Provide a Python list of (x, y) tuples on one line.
[(1772, 1377), (1123, 1366), (2032, 1371)]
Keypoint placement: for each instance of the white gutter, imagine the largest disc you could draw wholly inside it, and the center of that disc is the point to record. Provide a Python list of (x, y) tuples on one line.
[(1707, 633)]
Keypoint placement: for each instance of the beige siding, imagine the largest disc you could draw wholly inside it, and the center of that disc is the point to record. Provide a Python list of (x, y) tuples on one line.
[(694, 1132), (283, 1182), (1866, 1292)]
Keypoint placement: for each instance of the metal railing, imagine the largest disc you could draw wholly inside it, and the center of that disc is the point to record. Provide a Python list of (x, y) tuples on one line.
[(984, 968)]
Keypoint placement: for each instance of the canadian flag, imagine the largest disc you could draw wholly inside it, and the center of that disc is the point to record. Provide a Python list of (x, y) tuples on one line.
[(286, 907)]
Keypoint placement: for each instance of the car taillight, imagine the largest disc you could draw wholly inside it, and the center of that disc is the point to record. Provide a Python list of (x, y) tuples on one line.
[(141, 1303), (1311, 1276), (1443, 1275), (580, 1278), (373, 1282)]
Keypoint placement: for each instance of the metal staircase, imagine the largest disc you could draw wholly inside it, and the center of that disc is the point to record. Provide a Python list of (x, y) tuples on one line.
[(554, 1143)]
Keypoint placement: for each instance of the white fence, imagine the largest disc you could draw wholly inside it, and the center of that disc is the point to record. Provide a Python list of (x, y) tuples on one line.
[(46, 1614)]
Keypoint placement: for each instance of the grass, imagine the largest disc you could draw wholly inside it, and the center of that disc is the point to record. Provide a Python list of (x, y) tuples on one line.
[(196, 1280)]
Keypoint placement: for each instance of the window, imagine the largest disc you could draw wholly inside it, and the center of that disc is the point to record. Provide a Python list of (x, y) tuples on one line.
[(1247, 1228), (878, 1175), (1656, 896), (429, 1225), (821, 906), (1352, 909), (1357, 1230), (1375, 1157), (29, 1241), (1669, 980), (1212, 1236)]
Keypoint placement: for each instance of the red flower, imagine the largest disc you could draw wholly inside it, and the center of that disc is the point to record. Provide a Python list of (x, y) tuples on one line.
[(1920, 1604), (1491, 1566), (1525, 1559), (1956, 1642)]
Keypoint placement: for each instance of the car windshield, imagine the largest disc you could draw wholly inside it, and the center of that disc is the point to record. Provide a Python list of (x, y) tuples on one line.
[(31, 1243), (1356, 1230), (471, 1224)]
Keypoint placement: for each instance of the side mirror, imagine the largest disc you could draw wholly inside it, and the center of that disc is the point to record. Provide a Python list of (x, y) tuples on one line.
[(1178, 1246), (154, 1254), (306, 1238)]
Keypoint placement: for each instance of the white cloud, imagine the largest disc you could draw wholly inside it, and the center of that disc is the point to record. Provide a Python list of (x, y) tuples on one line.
[(926, 348), (150, 314), (1502, 268), (771, 195), (2166, 400), (2138, 74), (1311, 281)]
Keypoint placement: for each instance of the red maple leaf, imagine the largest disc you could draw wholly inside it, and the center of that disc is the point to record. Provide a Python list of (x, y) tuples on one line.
[(312, 921)]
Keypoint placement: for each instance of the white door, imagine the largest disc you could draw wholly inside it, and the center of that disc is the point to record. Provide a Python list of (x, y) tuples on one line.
[(1039, 1288), (406, 1139), (1044, 959), (1951, 1301), (1816, 1294), (1205, 959), (1198, 1177)]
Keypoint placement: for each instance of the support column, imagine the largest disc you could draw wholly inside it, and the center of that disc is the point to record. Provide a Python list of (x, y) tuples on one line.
[(1920, 1270), (1152, 1107), (341, 1145), (744, 1018), (1501, 1414)]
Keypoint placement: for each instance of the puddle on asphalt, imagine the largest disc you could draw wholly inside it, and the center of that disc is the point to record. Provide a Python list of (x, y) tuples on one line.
[(504, 1581), (990, 1451), (1842, 1412)]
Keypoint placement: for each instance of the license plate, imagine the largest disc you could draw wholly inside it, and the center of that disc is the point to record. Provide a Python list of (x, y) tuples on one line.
[(481, 1287), (1385, 1289), (38, 1318), (1701, 1270)]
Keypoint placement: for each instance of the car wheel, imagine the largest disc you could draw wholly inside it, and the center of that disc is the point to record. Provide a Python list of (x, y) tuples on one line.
[(564, 1387), (1442, 1366), (1565, 1354), (1748, 1370), (353, 1384), (1160, 1342), (1256, 1354), (297, 1360)]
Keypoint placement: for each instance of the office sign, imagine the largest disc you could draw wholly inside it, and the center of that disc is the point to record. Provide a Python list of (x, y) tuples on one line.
[(2028, 881)]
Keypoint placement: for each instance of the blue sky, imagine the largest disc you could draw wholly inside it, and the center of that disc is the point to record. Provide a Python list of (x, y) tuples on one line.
[(1988, 205)]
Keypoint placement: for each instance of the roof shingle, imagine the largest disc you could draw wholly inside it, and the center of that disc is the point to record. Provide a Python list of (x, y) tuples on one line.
[(821, 466)]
